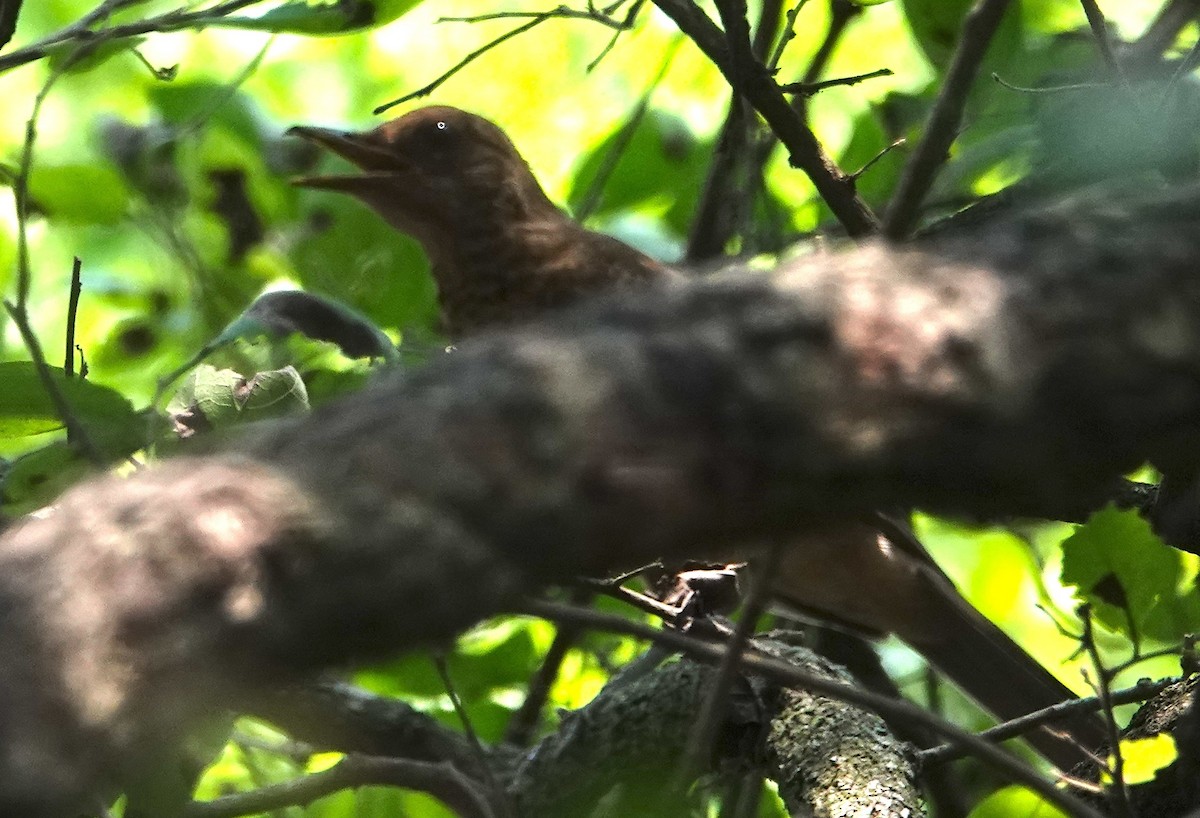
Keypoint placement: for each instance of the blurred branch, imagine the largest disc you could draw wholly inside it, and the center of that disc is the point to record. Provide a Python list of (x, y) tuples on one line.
[(762, 92), (1161, 34), (88, 38), (1099, 28)]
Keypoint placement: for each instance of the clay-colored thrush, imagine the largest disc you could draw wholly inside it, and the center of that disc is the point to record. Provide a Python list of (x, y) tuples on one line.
[(501, 252)]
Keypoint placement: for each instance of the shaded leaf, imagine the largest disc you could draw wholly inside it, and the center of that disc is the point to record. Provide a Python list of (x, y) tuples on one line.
[(223, 397), (324, 17), (1124, 570), (25, 409)]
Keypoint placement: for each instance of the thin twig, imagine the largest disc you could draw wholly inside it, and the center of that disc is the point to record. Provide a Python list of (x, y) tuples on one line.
[(443, 670), (626, 25), (72, 312), (524, 723), (1013, 728), (1099, 28), (941, 129), (428, 89), (81, 31), (77, 434), (601, 16), (442, 781), (1119, 790), (807, 89), (786, 36), (786, 674)]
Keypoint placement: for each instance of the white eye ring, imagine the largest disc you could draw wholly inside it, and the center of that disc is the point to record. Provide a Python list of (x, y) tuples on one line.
[(441, 126)]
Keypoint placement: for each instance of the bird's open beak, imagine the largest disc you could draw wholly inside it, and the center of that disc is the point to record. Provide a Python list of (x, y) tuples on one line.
[(371, 158)]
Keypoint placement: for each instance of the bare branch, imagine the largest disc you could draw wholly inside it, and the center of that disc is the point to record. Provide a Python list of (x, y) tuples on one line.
[(941, 129)]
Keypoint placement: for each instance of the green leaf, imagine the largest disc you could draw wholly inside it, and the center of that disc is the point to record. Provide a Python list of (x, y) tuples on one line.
[(225, 397), (661, 171), (33, 480), (1125, 571), (86, 194), (1012, 801), (324, 17), (26, 409)]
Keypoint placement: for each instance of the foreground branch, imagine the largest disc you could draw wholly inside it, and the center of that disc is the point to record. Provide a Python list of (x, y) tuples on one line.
[(1018, 370)]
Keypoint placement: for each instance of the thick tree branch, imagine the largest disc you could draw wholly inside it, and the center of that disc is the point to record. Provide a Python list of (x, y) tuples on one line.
[(1018, 370)]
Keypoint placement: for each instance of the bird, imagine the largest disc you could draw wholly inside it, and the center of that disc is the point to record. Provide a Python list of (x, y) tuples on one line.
[(499, 249), (502, 253)]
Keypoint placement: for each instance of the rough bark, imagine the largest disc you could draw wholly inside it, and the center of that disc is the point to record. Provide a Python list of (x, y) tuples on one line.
[(1016, 370)]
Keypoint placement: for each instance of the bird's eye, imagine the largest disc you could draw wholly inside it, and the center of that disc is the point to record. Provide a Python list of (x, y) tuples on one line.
[(441, 126)]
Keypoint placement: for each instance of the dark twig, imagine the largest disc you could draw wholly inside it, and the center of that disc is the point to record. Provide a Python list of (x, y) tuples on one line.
[(786, 36), (524, 723), (733, 180), (1099, 28), (786, 674), (712, 712), (761, 90), (807, 89), (625, 25), (442, 781), (1013, 728), (443, 670), (76, 433), (82, 33), (1162, 32), (428, 89), (941, 129), (602, 16), (1119, 790), (72, 311)]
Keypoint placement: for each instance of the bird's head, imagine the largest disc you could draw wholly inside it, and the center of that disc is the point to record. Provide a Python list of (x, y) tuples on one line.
[(432, 172)]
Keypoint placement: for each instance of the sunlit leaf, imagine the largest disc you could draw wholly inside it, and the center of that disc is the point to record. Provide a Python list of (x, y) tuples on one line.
[(1142, 758)]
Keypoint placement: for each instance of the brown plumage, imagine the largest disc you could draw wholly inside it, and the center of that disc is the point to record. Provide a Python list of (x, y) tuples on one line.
[(500, 250)]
